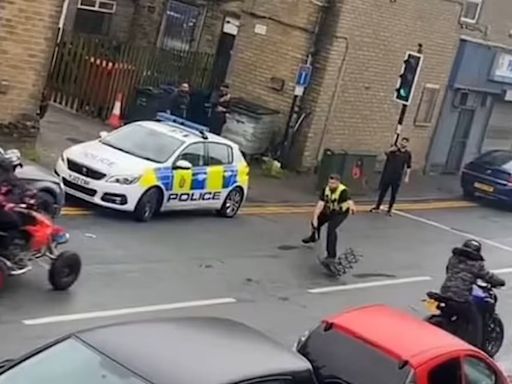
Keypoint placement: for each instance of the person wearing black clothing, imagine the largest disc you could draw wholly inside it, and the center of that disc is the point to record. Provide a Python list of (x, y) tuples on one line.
[(333, 207), (179, 101), (398, 160), (220, 102)]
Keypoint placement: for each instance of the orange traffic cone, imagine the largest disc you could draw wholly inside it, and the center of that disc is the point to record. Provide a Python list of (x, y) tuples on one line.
[(115, 120)]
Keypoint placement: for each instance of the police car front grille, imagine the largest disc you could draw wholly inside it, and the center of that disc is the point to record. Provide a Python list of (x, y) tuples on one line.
[(84, 170)]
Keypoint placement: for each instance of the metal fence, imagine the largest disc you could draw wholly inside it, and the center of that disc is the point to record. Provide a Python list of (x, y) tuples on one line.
[(87, 73)]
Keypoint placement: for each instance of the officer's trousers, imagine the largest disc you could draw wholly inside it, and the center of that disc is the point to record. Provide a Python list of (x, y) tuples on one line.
[(333, 221)]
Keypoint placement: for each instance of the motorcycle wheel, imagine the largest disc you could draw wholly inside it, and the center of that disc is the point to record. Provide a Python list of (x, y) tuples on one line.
[(64, 270), (493, 336)]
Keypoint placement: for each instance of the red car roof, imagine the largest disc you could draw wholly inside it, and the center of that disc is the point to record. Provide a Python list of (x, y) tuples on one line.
[(397, 333)]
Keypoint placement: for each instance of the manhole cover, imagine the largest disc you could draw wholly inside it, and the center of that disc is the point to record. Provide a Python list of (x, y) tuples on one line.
[(372, 275), (287, 247)]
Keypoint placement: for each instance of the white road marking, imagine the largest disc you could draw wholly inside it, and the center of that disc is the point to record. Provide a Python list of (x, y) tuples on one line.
[(457, 232), (502, 270), (380, 283), (128, 311)]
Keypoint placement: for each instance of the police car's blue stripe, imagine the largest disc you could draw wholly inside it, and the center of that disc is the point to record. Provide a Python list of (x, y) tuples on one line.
[(165, 177), (230, 176), (199, 176)]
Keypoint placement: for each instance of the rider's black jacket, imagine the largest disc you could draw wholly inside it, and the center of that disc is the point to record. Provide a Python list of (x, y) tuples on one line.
[(464, 268)]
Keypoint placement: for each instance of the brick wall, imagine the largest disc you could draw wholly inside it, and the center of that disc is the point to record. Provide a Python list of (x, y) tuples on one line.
[(494, 24), (121, 19), (354, 109), (27, 35), (147, 21), (278, 53)]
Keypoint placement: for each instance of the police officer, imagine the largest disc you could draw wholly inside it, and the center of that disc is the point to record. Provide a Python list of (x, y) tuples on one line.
[(333, 208)]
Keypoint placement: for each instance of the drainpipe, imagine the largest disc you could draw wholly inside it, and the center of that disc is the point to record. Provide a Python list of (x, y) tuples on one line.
[(310, 60)]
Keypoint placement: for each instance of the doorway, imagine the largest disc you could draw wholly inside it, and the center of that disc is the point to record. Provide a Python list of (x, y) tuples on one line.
[(224, 50), (459, 141)]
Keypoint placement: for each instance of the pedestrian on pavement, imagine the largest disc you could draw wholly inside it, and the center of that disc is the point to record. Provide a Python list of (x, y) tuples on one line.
[(220, 104), (333, 207), (398, 160), (180, 101)]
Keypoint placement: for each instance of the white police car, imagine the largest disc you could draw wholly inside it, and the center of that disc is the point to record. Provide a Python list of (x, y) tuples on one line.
[(150, 166)]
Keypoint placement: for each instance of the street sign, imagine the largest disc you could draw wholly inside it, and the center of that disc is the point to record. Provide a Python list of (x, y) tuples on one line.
[(303, 76)]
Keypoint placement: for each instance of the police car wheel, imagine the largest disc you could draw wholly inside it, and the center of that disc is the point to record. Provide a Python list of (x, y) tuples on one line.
[(147, 205), (232, 203)]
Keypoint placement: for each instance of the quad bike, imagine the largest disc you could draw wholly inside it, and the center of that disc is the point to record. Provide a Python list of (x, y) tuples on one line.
[(38, 240)]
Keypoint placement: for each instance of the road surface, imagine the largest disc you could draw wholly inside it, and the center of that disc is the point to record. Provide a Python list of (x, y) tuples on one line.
[(252, 268)]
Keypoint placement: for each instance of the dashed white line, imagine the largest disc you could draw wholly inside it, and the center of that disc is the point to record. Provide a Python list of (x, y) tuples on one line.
[(370, 284), (457, 232), (128, 311)]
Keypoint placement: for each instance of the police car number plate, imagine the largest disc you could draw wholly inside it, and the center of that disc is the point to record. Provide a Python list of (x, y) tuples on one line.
[(431, 306), (78, 180)]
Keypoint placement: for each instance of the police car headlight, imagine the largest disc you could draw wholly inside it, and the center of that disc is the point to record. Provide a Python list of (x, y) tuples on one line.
[(123, 179)]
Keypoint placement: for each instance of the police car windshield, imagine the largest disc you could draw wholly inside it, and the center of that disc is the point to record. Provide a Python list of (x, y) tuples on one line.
[(144, 142)]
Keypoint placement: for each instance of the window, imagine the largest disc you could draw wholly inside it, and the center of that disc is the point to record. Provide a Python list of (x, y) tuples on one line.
[(478, 372), (427, 106), (144, 142), (180, 26), (94, 17), (219, 154), (471, 11), (69, 362), (448, 372), (496, 159), (194, 154), (339, 358)]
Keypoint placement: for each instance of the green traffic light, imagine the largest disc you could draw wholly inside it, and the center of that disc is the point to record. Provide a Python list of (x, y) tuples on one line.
[(404, 93)]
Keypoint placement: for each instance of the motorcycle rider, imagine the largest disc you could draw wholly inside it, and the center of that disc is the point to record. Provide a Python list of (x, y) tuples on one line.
[(464, 268)]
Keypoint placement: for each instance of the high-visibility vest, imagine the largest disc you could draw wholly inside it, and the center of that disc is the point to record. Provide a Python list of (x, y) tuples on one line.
[(332, 199)]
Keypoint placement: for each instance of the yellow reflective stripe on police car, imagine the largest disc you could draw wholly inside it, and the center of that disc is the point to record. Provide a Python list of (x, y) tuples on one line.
[(215, 178), (182, 181), (149, 179)]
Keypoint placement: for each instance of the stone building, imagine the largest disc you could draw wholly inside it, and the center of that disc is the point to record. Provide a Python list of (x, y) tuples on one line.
[(28, 31), (357, 58), (476, 113)]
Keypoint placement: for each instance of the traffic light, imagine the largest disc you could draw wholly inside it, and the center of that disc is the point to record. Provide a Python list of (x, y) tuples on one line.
[(408, 77)]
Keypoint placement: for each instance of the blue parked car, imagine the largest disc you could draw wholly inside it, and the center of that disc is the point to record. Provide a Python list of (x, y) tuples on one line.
[(489, 176)]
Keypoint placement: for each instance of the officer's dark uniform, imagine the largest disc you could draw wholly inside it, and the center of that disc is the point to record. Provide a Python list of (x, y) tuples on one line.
[(335, 212)]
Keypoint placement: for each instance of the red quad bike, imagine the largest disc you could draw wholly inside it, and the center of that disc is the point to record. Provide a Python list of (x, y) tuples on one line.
[(38, 240)]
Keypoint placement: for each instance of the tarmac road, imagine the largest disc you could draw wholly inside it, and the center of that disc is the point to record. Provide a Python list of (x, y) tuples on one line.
[(251, 268)]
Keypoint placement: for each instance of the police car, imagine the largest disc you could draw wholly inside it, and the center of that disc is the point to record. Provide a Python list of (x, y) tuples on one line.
[(151, 166)]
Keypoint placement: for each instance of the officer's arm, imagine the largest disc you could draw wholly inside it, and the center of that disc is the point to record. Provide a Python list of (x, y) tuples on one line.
[(345, 196)]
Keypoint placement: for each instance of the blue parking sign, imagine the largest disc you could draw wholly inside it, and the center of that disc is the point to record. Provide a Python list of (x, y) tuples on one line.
[(303, 76)]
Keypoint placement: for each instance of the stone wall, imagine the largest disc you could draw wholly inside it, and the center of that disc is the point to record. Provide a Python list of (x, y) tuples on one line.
[(27, 36)]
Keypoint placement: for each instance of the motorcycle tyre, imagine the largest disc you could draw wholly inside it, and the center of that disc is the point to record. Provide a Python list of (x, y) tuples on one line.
[(66, 259), (490, 350)]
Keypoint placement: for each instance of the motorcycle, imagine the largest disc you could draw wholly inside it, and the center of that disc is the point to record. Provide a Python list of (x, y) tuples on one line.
[(38, 241), (444, 316)]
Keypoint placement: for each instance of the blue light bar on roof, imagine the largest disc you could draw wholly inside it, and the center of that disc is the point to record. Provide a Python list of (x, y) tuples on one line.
[(183, 124)]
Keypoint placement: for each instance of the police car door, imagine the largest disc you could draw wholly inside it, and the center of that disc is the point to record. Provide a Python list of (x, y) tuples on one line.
[(189, 185), (221, 172)]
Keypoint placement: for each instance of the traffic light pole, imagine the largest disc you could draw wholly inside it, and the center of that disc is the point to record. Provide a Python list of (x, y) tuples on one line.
[(403, 110)]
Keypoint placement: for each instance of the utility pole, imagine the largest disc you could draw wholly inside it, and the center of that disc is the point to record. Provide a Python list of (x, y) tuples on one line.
[(406, 85)]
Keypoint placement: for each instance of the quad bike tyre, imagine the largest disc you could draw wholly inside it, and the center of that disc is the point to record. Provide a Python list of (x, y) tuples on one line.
[(64, 270), (4, 275)]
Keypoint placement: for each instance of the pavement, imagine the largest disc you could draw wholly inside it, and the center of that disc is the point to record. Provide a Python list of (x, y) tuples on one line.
[(251, 268), (61, 128)]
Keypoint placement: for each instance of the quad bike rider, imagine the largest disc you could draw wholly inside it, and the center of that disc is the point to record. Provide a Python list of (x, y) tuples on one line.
[(12, 192)]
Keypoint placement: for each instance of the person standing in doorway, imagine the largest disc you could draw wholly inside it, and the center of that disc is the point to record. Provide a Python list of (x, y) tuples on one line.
[(220, 102), (180, 101), (398, 160)]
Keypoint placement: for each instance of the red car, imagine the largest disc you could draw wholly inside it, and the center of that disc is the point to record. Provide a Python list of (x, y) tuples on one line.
[(380, 344)]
